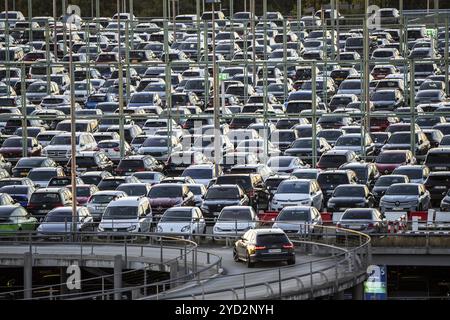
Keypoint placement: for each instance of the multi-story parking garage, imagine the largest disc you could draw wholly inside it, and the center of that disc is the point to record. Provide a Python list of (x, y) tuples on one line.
[(212, 120)]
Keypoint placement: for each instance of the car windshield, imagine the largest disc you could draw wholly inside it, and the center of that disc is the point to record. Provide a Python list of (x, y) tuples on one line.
[(155, 142), (386, 181), (102, 198), (293, 215), (437, 158), (235, 214), (222, 193), (130, 163), (402, 189), (411, 173), (332, 179), (45, 197), (42, 175), (391, 158), (198, 173), (349, 191), (133, 190), (59, 216), (332, 160), (62, 140), (294, 187), (177, 216), (120, 212), (242, 181), (357, 215), (15, 143), (280, 162), (400, 138), (165, 192), (348, 141)]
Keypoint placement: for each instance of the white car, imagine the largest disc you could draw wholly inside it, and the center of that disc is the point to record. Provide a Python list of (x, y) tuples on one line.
[(235, 221), (127, 214), (112, 149), (98, 202), (305, 192), (201, 173), (59, 148), (160, 147), (182, 220), (285, 164), (298, 219)]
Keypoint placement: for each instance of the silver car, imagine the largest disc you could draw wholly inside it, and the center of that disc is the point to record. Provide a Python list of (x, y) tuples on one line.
[(298, 220), (100, 200), (405, 197), (367, 220)]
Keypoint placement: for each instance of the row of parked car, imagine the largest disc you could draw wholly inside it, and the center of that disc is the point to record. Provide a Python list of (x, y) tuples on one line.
[(285, 147)]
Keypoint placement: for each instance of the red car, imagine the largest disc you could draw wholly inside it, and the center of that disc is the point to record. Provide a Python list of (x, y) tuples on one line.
[(12, 148), (388, 160)]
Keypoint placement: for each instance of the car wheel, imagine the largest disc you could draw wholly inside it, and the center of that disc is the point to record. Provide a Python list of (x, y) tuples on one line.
[(235, 255), (250, 264), (291, 261)]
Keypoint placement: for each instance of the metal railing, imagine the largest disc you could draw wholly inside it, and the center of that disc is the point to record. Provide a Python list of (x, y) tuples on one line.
[(347, 249)]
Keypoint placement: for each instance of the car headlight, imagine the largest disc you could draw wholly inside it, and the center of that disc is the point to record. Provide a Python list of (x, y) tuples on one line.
[(159, 229), (305, 202), (100, 228), (131, 228), (186, 228), (217, 229), (274, 202)]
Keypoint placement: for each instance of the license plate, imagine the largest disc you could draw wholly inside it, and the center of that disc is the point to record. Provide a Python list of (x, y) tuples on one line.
[(440, 187), (398, 209), (440, 168), (41, 211), (274, 250), (23, 174), (114, 229)]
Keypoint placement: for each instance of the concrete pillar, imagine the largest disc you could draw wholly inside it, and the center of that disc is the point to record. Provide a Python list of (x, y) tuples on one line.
[(173, 273), (358, 292), (62, 280), (28, 275), (338, 295), (118, 277)]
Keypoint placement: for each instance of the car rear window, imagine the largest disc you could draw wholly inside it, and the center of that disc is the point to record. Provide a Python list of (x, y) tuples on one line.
[(270, 239)]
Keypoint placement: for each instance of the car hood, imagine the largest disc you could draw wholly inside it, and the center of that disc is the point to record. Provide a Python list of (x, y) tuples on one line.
[(12, 149), (117, 223), (165, 201), (346, 199), (291, 225), (291, 197), (56, 227), (57, 147), (400, 198), (220, 201), (232, 225), (173, 226)]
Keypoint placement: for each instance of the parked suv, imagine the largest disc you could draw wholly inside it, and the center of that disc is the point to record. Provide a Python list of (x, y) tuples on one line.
[(44, 200), (405, 197), (330, 179), (253, 186), (219, 196), (127, 214)]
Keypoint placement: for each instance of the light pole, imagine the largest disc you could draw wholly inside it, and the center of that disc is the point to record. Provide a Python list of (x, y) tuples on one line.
[(73, 149), (217, 142)]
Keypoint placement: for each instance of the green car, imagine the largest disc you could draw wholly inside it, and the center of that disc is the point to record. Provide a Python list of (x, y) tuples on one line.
[(14, 218)]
